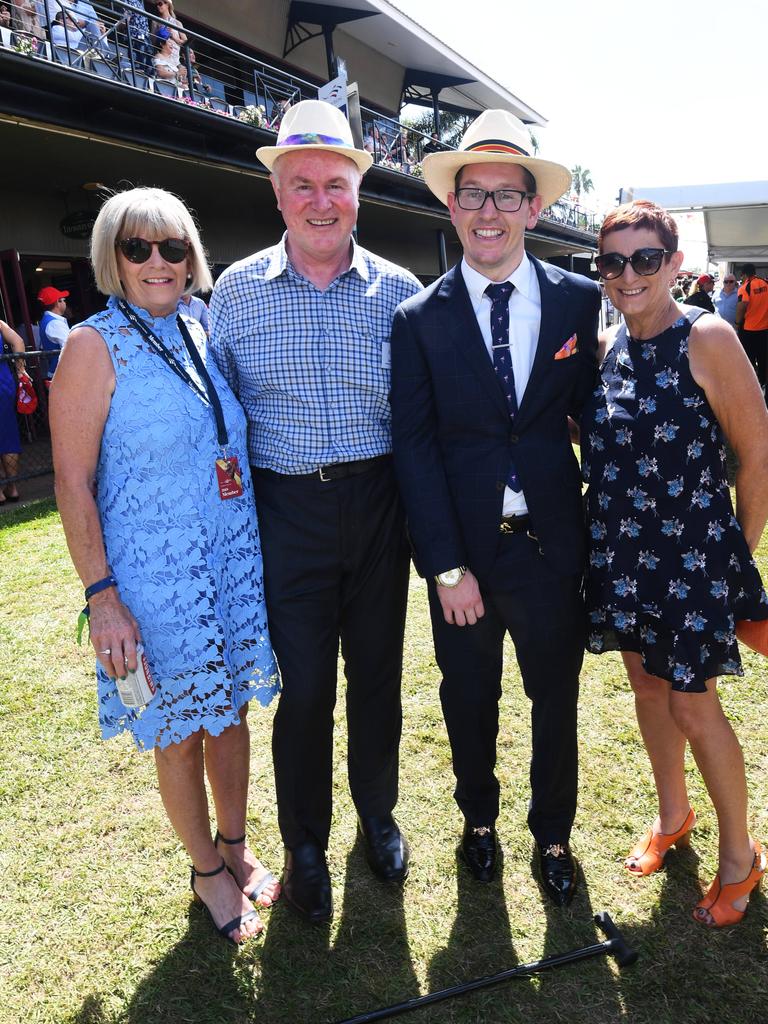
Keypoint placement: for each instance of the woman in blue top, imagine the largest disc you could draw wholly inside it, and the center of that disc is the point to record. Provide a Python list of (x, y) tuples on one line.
[(161, 525), (670, 565)]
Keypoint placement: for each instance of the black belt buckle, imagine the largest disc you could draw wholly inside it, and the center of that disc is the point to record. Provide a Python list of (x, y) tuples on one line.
[(515, 524)]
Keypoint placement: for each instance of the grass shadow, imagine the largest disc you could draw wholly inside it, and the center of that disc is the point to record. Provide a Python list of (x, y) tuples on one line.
[(723, 967), (203, 979), (479, 944)]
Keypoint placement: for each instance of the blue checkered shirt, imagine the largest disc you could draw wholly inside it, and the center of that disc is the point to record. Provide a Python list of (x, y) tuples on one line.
[(311, 368)]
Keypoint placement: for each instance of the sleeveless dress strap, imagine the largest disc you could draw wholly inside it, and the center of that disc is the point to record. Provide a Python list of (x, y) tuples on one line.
[(693, 313)]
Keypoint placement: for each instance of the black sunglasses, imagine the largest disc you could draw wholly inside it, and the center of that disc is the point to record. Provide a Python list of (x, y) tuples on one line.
[(138, 250), (645, 262)]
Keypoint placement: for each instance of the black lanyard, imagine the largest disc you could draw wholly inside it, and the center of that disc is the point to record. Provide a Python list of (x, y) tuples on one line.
[(209, 395)]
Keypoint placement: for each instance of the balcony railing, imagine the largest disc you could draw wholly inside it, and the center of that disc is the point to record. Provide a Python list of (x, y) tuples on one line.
[(126, 45)]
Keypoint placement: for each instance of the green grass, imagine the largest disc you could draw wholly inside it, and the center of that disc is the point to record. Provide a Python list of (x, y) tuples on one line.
[(96, 924)]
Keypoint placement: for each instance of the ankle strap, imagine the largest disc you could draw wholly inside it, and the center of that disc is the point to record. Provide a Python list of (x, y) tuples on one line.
[(208, 874), (229, 842)]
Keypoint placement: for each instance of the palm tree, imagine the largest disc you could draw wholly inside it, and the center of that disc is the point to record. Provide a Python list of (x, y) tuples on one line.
[(582, 180), (534, 142)]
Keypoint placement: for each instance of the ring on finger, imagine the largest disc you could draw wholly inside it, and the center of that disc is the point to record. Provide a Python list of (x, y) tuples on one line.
[(108, 651)]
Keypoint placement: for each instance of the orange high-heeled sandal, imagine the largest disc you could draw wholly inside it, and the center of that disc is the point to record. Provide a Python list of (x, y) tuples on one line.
[(718, 903), (648, 856)]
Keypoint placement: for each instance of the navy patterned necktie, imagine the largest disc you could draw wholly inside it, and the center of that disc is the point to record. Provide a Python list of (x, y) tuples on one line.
[(502, 357)]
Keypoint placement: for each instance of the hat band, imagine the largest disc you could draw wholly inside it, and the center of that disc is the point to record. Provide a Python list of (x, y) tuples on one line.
[(496, 146), (313, 139)]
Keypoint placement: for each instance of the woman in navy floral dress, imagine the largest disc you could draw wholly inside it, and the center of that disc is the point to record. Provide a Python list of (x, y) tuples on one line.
[(670, 565)]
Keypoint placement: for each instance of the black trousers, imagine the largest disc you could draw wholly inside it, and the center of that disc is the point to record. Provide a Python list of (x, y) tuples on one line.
[(543, 613), (336, 566), (756, 346)]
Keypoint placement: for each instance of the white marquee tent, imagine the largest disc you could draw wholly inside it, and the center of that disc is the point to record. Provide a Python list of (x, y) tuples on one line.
[(735, 216)]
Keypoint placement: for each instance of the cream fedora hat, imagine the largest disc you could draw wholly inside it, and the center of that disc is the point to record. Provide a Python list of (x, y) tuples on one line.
[(495, 137), (314, 124)]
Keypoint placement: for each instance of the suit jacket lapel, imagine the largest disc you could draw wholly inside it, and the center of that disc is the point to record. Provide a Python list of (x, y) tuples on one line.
[(554, 304), (462, 329)]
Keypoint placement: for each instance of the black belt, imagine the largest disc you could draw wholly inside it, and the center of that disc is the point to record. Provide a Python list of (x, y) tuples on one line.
[(514, 524), (336, 471)]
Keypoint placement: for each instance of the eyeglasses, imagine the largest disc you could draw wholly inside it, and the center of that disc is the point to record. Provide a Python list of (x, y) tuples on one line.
[(138, 250), (506, 200), (729, 280), (645, 262)]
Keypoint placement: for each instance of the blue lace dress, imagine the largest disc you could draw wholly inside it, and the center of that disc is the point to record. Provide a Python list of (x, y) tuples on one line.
[(188, 564), (669, 570)]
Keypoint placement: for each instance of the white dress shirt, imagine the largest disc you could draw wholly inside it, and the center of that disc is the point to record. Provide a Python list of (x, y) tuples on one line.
[(524, 324)]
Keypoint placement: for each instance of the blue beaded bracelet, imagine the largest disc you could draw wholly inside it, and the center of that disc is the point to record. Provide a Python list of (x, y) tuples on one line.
[(99, 585)]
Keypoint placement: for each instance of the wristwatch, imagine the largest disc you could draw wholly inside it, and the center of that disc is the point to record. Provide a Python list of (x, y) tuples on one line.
[(451, 577)]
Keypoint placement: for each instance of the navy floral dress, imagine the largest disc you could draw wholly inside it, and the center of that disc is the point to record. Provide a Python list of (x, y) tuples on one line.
[(669, 570)]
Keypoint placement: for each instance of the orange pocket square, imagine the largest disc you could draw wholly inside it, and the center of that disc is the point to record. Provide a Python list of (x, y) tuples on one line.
[(570, 346)]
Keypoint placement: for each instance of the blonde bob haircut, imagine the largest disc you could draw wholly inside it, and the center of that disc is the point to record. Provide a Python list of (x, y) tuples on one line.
[(145, 213)]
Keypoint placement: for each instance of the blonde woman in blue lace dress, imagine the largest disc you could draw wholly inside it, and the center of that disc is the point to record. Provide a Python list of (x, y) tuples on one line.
[(167, 544)]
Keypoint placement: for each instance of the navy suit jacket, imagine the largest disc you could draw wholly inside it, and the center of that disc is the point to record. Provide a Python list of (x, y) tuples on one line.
[(453, 439)]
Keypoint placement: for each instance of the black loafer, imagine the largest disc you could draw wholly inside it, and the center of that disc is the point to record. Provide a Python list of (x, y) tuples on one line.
[(557, 872), (386, 848), (307, 884), (480, 851)]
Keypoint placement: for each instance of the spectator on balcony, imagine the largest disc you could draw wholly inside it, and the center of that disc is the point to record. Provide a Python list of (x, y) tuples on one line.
[(87, 21), (5, 16), (166, 60), (372, 142), (178, 37), (65, 33), (54, 328), (25, 20), (335, 555), (400, 151), (140, 36), (434, 145)]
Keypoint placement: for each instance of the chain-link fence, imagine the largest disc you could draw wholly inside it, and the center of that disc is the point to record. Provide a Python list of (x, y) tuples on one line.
[(35, 458)]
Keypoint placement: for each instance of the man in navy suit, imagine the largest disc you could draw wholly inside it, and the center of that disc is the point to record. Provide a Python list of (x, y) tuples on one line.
[(487, 365)]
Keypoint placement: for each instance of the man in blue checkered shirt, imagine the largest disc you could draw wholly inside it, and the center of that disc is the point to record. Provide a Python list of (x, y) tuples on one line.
[(301, 331)]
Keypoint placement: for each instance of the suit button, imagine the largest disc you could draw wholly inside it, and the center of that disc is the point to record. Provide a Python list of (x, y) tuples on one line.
[(514, 438), (500, 485)]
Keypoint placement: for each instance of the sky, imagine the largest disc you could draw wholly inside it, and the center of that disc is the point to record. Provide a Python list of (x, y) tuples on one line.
[(648, 93)]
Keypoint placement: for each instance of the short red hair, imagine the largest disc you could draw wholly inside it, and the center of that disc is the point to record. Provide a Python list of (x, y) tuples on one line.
[(641, 213)]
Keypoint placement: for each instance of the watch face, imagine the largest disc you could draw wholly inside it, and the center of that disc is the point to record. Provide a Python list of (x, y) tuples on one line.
[(451, 577)]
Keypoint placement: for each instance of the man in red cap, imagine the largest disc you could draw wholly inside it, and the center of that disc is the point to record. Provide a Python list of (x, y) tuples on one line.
[(53, 328)]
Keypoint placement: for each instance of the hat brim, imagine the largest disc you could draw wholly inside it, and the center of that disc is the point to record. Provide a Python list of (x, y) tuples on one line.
[(440, 170), (268, 154)]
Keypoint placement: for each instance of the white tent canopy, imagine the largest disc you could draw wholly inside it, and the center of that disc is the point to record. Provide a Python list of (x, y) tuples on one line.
[(735, 215)]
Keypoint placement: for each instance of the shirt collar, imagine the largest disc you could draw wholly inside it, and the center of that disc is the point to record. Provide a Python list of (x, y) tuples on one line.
[(279, 262), (521, 278)]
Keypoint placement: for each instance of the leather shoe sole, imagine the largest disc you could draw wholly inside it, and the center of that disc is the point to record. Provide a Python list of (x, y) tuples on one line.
[(479, 849), (556, 872), (307, 883), (386, 848)]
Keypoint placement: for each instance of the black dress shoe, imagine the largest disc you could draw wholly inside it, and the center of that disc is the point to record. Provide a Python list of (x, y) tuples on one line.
[(386, 848), (307, 884), (557, 872), (480, 850)]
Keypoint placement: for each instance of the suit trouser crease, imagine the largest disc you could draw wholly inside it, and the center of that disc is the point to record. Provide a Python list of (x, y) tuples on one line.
[(336, 574), (544, 616)]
